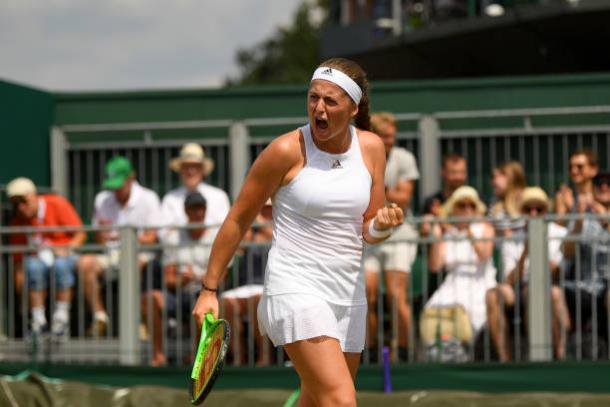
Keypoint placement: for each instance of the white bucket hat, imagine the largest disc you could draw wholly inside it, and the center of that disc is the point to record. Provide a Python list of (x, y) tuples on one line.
[(192, 153)]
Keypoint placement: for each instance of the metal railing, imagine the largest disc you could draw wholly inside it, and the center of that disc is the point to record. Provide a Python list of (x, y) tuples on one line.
[(131, 287), (540, 138)]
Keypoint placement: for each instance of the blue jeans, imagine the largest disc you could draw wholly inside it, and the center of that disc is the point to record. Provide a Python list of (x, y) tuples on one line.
[(38, 272)]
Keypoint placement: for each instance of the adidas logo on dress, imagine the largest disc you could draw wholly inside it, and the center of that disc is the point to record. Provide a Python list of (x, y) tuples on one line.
[(337, 164), (328, 71)]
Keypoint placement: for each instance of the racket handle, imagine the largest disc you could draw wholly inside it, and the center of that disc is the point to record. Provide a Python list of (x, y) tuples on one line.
[(387, 379), (208, 323)]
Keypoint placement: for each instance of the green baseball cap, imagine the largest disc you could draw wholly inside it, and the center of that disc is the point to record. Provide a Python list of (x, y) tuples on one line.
[(118, 169)]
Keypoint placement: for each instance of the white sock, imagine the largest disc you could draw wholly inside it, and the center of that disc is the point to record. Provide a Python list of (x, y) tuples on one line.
[(100, 316), (62, 310), (38, 316)]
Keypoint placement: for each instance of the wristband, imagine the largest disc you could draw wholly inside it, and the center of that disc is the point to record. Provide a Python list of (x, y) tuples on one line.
[(378, 234), (206, 288)]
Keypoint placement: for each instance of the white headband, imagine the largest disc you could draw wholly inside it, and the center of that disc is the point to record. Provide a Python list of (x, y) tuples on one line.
[(340, 79)]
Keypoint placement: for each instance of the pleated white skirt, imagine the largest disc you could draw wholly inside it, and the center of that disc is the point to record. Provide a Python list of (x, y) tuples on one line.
[(288, 318)]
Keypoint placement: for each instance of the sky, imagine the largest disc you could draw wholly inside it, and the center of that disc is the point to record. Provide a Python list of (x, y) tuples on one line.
[(131, 44)]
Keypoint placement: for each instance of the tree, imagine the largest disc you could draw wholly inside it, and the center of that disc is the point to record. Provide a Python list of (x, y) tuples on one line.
[(290, 55)]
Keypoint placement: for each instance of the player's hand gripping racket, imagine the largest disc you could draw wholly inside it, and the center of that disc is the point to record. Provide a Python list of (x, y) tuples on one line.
[(210, 357)]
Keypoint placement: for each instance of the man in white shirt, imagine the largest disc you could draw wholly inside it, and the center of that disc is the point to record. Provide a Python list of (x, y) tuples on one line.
[(124, 202), (193, 166), (515, 261), (394, 256), (185, 262)]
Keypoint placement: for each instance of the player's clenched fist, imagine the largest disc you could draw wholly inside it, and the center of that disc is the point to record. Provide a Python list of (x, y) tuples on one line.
[(388, 217)]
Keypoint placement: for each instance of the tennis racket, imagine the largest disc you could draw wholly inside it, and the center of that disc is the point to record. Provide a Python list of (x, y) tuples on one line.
[(210, 357)]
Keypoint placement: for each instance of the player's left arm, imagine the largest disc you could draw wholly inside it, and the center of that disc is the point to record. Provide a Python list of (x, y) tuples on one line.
[(383, 218)]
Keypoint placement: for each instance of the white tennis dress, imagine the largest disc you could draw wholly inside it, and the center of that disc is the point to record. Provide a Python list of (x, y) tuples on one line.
[(314, 283)]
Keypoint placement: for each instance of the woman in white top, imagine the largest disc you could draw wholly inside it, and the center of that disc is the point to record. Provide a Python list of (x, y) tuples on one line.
[(326, 180), (469, 265)]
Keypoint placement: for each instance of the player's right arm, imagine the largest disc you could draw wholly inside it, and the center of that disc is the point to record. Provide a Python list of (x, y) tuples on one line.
[(273, 168)]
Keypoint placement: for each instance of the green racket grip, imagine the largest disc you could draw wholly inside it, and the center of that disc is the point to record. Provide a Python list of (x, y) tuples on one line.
[(206, 327)]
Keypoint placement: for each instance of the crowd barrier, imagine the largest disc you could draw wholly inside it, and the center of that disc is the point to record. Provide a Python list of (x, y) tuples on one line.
[(131, 286)]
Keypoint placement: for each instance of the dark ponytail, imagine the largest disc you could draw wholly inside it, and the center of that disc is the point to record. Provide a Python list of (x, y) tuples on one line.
[(354, 71), (363, 118)]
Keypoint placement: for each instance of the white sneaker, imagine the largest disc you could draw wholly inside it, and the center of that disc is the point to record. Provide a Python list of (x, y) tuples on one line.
[(38, 327), (60, 329)]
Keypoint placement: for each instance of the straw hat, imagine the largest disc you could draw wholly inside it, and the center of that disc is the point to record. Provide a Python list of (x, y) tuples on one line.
[(192, 153), (534, 194), (460, 194)]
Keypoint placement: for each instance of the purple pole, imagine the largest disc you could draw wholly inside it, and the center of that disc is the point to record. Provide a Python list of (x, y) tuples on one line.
[(387, 380)]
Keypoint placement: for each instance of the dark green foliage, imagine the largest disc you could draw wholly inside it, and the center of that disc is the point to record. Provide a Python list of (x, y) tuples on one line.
[(288, 57)]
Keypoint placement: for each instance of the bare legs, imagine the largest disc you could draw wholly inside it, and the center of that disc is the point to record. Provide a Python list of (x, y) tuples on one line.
[(155, 297), (326, 373), (234, 310), (372, 287), (498, 299), (560, 322), (397, 285), (90, 271), (501, 297)]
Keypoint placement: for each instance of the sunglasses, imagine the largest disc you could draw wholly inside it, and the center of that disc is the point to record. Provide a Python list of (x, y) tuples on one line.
[(537, 208), (465, 205), (578, 167)]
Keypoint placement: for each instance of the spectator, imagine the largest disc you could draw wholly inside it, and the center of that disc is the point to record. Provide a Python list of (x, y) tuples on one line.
[(454, 173), (583, 167), (193, 166), (395, 256), (508, 183), (588, 276), (124, 202), (184, 264), (468, 262), (242, 301), (513, 288), (54, 251)]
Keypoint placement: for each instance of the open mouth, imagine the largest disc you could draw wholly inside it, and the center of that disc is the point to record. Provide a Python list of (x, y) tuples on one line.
[(321, 124)]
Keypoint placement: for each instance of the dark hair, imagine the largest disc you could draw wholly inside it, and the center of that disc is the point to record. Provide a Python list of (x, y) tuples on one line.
[(601, 178), (194, 199), (587, 152), (357, 74), (452, 157)]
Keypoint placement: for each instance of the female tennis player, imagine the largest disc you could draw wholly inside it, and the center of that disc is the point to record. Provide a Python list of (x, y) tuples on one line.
[(326, 182)]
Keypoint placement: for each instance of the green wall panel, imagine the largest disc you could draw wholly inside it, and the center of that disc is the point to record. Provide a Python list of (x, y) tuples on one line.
[(26, 115), (403, 96)]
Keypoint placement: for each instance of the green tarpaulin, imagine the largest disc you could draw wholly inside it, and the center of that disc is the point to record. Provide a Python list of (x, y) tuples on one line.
[(33, 390)]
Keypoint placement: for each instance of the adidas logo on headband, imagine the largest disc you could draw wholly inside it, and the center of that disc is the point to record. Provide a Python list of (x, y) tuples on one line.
[(340, 79)]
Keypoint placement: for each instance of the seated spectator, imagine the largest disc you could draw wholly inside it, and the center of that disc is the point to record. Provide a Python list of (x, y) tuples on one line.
[(468, 262), (184, 265), (454, 173), (54, 251), (193, 166), (395, 256), (508, 181), (513, 288), (590, 257), (124, 202), (241, 301), (583, 167)]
